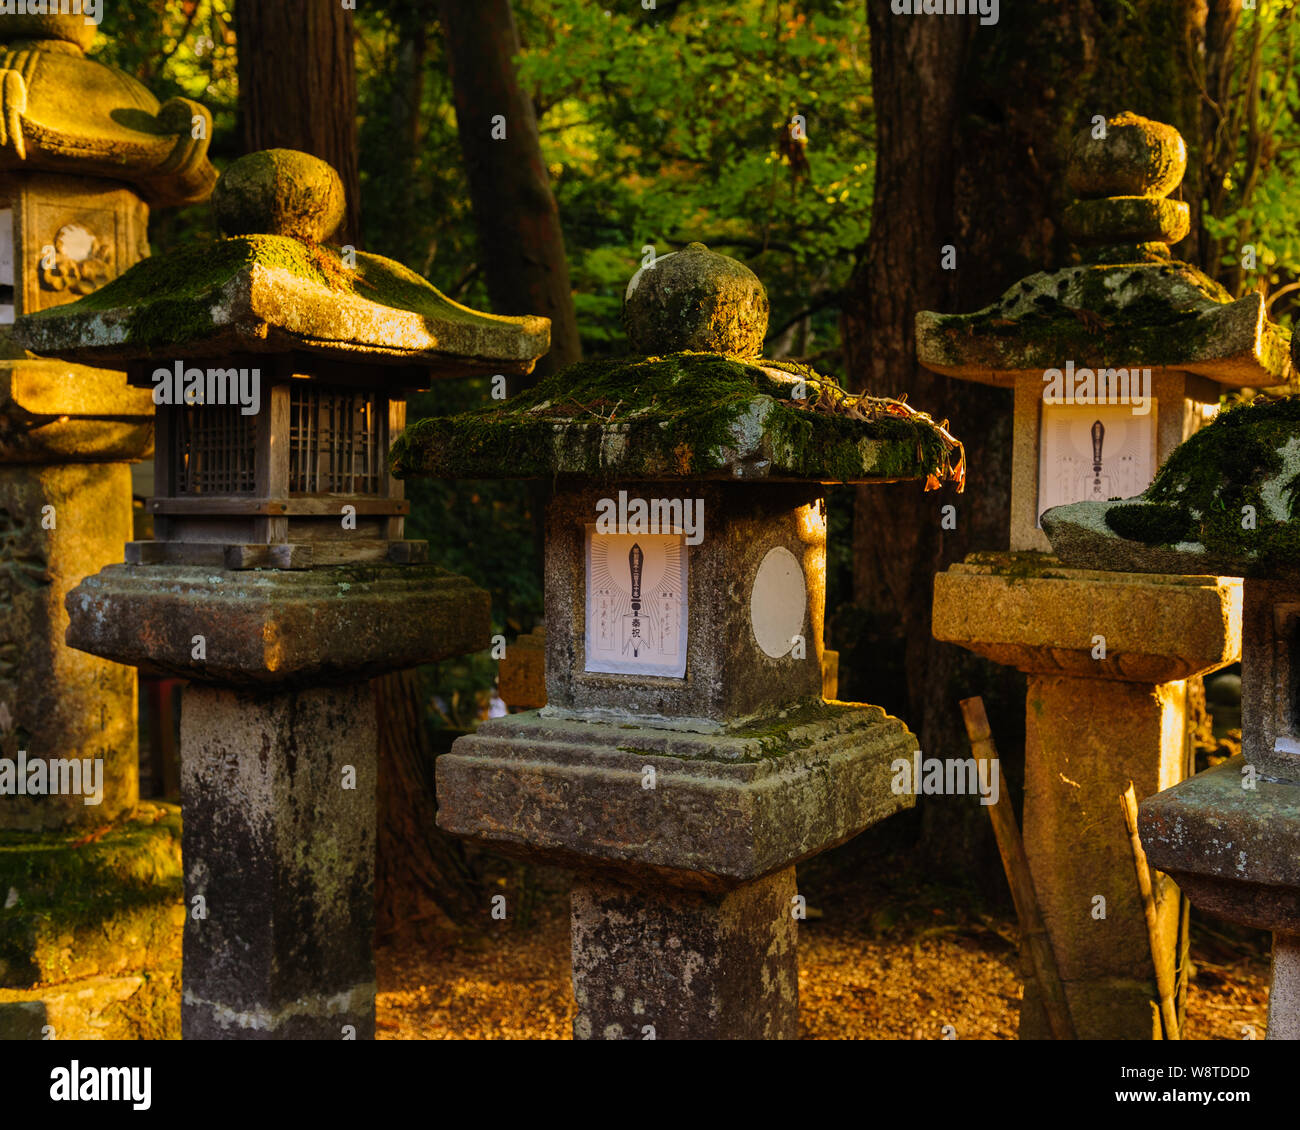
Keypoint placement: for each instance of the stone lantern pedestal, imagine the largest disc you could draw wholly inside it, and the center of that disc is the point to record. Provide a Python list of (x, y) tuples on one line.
[(1091, 726), (278, 768), (1229, 837), (1112, 362), (89, 929), (685, 760), (279, 581)]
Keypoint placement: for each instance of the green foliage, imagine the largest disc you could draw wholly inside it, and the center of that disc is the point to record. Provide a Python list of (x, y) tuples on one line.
[(1259, 197), (660, 128), (185, 49)]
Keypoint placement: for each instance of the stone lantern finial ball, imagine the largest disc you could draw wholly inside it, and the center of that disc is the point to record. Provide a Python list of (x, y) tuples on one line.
[(280, 192), (1137, 157), (66, 29), (698, 301)]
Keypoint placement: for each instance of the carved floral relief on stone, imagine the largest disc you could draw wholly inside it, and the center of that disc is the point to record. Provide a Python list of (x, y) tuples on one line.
[(76, 261)]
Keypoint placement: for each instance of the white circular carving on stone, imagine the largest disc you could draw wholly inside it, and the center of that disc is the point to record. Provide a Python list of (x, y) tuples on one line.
[(777, 602), (75, 242)]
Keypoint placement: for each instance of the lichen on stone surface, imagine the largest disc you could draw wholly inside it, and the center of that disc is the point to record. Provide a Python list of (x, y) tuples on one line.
[(684, 415), (282, 192), (696, 301), (1138, 313)]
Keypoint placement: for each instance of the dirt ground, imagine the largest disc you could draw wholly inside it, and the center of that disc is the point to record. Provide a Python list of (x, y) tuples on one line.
[(880, 959)]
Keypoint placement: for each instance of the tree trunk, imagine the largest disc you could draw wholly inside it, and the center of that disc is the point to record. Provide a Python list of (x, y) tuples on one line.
[(521, 244), (973, 123), (1217, 125), (421, 876), (298, 88)]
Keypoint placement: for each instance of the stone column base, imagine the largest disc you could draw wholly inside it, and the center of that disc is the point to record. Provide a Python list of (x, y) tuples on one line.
[(1108, 656), (1284, 993), (1127, 1008), (279, 797), (90, 933), (1085, 739), (669, 964)]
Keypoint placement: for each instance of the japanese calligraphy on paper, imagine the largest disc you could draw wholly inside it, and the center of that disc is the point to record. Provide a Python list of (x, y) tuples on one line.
[(636, 604), (1095, 451)]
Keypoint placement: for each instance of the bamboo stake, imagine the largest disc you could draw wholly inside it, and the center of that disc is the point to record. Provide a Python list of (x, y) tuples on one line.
[(1183, 963), (1164, 980), (1016, 864)]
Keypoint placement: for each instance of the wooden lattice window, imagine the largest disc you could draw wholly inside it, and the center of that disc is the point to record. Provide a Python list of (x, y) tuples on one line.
[(214, 450), (334, 442)]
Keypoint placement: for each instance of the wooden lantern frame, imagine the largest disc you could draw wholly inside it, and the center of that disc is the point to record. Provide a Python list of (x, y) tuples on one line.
[(272, 490)]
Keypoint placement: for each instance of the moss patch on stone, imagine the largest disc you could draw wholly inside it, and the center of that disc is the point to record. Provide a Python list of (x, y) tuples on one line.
[(1246, 458), (73, 905), (1019, 566), (1115, 314), (796, 727), (170, 298), (1150, 523), (280, 192), (686, 415)]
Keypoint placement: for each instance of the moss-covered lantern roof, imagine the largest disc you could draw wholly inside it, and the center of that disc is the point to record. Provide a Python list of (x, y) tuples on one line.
[(1128, 302), (272, 285), (709, 410), (61, 112), (1223, 504)]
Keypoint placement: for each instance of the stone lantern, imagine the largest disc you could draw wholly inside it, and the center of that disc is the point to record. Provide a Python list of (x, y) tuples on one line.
[(85, 152), (280, 582), (1113, 362), (1224, 503), (685, 760)]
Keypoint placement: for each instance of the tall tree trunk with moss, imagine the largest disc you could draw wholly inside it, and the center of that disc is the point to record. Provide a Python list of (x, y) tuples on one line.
[(973, 123), (521, 243), (298, 87)]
